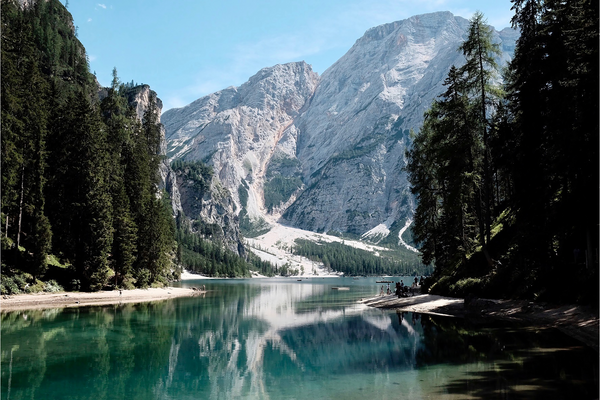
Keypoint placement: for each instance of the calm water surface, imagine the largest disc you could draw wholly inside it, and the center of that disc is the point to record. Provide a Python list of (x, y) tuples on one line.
[(283, 339)]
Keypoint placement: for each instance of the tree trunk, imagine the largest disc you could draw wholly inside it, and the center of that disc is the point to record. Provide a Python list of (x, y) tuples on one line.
[(21, 205), (486, 165)]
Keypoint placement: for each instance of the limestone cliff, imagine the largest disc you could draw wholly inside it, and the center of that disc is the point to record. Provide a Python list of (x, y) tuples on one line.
[(238, 131), (210, 207), (327, 153)]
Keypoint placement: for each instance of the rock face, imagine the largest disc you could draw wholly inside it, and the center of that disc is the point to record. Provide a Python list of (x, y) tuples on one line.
[(210, 208), (327, 154), (239, 131)]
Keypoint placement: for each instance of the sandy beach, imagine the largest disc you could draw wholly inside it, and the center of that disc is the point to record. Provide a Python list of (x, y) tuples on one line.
[(79, 299), (578, 322)]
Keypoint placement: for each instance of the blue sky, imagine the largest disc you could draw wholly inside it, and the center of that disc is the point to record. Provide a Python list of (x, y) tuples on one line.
[(187, 49)]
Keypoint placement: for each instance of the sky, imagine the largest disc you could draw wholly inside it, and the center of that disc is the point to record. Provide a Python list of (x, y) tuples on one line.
[(187, 49)]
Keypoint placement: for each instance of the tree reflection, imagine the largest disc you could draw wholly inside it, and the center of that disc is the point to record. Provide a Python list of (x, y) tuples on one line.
[(264, 340), (110, 352)]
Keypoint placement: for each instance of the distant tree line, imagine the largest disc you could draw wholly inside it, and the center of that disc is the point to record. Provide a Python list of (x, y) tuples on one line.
[(197, 171), (200, 246), (357, 262), (506, 177), (79, 175), (200, 255)]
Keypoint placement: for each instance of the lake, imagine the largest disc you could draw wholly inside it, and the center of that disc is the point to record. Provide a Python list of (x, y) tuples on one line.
[(283, 339)]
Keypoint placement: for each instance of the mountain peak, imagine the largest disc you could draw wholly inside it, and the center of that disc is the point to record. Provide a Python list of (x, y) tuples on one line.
[(327, 152), (435, 21)]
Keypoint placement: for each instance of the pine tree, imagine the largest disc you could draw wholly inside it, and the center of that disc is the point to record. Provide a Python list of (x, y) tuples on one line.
[(89, 202), (479, 71), (156, 244), (444, 167), (553, 93), (12, 107), (121, 124), (449, 164), (124, 248), (24, 127)]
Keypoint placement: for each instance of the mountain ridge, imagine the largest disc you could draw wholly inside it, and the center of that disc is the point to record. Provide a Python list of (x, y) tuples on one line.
[(326, 153)]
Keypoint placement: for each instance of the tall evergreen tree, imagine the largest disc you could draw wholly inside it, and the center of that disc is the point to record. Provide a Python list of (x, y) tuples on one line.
[(156, 241), (553, 93), (24, 131), (12, 108), (93, 201), (479, 70), (121, 125), (449, 163)]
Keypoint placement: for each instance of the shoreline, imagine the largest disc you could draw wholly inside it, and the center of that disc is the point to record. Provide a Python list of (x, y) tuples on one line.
[(579, 322), (43, 300), (36, 301)]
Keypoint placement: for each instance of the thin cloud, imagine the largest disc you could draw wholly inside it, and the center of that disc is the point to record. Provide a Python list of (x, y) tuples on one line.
[(246, 59), (277, 50), (101, 5), (173, 102), (323, 34)]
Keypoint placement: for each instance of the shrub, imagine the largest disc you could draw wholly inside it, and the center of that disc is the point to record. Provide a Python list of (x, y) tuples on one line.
[(35, 287), (21, 281), (467, 286), (17, 283), (8, 285), (128, 282), (441, 287), (52, 287), (143, 278), (75, 285)]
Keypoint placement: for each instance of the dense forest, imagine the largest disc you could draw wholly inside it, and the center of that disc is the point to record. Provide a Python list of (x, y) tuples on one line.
[(357, 262), (506, 177), (81, 205), (79, 173)]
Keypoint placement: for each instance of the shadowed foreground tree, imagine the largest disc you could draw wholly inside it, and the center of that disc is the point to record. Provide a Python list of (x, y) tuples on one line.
[(533, 181), (79, 175), (449, 163)]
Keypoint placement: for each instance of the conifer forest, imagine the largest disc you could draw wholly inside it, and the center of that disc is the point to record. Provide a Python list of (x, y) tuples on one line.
[(504, 170), (506, 175)]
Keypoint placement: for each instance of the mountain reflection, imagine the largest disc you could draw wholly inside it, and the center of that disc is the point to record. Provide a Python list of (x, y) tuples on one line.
[(274, 339), (250, 336)]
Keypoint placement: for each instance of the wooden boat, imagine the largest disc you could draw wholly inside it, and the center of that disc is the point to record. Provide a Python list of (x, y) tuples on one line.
[(340, 288), (384, 282)]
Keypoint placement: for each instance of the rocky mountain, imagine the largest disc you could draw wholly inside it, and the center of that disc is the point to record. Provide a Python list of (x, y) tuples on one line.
[(209, 207), (327, 153), (241, 131)]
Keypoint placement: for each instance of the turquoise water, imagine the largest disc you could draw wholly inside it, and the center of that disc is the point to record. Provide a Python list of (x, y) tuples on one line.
[(282, 339)]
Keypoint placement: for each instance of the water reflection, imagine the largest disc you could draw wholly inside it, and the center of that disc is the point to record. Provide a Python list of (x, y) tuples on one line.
[(274, 339), (499, 362)]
